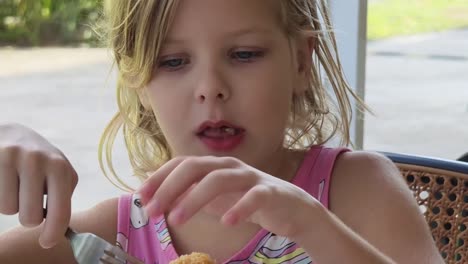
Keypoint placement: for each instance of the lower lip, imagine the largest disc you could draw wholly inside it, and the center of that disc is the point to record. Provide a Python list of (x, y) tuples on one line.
[(223, 144)]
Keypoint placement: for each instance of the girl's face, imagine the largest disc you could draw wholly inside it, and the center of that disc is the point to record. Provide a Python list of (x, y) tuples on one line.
[(224, 80)]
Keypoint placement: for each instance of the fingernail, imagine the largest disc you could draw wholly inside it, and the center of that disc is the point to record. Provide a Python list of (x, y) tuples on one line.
[(140, 189), (153, 208), (45, 244), (140, 194), (177, 216), (229, 219)]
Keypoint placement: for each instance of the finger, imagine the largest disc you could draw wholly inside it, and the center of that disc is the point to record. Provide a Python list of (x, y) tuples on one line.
[(216, 183), (247, 205), (59, 165), (58, 206), (31, 192), (148, 188), (74, 176), (9, 202), (179, 180)]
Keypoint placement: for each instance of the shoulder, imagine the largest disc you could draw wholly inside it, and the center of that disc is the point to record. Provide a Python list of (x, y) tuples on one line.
[(365, 179), (362, 169), (100, 219), (370, 196), (373, 162)]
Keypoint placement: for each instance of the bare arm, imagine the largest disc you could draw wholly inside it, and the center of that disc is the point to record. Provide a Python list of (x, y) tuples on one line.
[(20, 245), (370, 197), (374, 217)]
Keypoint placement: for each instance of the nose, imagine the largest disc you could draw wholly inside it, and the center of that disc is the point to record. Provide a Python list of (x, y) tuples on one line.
[(212, 86)]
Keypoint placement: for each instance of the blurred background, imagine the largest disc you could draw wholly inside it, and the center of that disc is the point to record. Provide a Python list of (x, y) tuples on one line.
[(56, 77), (49, 22)]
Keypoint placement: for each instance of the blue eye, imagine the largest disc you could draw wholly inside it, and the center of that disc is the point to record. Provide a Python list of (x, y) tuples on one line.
[(172, 64), (246, 56)]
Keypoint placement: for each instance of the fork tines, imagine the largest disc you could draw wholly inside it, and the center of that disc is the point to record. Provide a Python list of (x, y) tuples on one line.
[(117, 256)]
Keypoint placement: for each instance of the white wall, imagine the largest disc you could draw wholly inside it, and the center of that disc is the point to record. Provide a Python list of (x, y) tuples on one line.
[(350, 22)]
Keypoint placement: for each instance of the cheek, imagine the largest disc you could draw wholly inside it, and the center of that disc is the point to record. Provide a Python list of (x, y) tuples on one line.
[(274, 90), (270, 87), (154, 99), (267, 107), (162, 105)]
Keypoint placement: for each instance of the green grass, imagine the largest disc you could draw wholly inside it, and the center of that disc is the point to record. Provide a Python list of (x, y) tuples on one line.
[(387, 18)]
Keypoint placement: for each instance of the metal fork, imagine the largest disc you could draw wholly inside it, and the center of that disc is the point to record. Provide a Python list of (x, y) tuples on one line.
[(91, 249)]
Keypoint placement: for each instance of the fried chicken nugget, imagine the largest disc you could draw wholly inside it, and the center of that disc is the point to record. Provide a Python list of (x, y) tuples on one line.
[(194, 258)]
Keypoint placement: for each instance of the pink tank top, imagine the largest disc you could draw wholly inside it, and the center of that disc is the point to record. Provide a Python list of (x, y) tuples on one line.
[(149, 239)]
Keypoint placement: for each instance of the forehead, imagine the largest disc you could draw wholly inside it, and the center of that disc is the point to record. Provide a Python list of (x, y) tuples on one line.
[(228, 17)]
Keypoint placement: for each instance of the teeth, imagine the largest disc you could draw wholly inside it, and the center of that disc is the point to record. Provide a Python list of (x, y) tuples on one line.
[(229, 130)]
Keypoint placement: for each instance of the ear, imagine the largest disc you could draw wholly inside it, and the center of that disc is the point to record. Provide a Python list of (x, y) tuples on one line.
[(305, 49), (142, 95)]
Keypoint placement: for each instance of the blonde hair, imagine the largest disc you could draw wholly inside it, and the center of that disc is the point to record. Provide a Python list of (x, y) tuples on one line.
[(136, 30)]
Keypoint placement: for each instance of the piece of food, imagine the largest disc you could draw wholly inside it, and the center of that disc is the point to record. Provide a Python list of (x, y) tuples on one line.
[(194, 258)]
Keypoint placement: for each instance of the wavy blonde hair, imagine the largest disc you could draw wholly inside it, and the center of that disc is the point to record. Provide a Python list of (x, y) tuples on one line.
[(136, 30)]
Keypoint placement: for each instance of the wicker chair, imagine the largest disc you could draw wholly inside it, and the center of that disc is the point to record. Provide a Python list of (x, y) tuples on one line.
[(441, 190)]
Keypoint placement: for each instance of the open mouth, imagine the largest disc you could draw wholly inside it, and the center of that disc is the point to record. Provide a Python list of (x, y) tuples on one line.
[(221, 129), (220, 136), (220, 132)]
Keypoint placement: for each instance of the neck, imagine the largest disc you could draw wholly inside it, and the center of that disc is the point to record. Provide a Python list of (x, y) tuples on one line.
[(283, 164)]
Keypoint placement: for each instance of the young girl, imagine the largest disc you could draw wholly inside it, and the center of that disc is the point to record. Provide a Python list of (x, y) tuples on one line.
[(225, 117)]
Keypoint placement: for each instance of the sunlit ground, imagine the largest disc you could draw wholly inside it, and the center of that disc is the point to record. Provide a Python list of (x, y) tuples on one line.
[(388, 18)]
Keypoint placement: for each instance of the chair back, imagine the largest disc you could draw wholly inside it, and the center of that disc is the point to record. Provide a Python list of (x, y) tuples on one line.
[(441, 190)]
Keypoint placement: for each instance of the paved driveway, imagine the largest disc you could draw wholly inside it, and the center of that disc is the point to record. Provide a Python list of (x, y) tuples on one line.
[(418, 88)]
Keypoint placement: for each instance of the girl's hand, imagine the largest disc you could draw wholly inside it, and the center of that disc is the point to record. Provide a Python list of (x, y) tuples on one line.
[(229, 188), (31, 167)]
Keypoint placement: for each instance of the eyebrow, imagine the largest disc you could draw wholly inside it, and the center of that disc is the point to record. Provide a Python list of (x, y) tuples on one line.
[(247, 31), (234, 33)]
